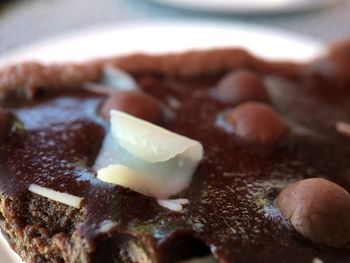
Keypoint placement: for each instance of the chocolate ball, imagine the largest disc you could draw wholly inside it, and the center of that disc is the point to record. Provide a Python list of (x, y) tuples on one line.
[(319, 210), (5, 124), (255, 122), (241, 86), (135, 103)]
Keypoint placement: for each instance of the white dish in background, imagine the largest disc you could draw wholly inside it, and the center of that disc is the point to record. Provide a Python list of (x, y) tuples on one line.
[(158, 38), (246, 7), (104, 41)]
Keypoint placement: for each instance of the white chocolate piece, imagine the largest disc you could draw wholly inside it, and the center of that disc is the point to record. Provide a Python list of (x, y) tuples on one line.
[(118, 79), (147, 158), (343, 128), (317, 260), (150, 142), (173, 204), (60, 197), (106, 226)]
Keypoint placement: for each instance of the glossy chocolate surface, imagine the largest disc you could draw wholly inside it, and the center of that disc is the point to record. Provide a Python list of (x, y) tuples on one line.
[(231, 196)]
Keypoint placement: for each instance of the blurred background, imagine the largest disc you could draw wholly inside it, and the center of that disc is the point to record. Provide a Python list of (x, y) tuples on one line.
[(26, 21)]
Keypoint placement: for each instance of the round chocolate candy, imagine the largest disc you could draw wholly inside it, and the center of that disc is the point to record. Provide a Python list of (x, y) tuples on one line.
[(319, 210), (135, 103), (255, 122), (241, 86), (5, 124)]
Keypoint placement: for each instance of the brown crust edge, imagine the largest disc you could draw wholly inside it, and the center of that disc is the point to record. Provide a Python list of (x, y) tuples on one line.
[(28, 233), (24, 80)]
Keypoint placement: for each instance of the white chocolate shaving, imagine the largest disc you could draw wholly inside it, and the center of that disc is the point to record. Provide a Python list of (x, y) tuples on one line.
[(343, 127), (150, 142), (118, 79), (173, 204), (147, 158), (106, 226), (60, 197), (317, 260)]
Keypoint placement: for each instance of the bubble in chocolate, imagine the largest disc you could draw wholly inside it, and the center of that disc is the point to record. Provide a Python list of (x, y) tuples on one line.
[(255, 122), (136, 103), (5, 124), (241, 86), (319, 210)]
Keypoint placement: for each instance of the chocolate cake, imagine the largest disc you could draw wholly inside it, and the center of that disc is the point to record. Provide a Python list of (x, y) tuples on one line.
[(271, 185)]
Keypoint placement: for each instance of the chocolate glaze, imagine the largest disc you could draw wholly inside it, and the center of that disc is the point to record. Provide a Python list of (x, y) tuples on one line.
[(231, 197)]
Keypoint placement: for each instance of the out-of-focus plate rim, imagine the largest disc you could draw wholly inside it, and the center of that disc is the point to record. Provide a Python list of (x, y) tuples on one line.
[(242, 8), (207, 35)]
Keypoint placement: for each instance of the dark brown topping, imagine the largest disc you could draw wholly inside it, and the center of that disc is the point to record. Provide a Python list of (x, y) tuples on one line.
[(135, 103), (319, 210), (255, 122), (241, 86), (5, 124)]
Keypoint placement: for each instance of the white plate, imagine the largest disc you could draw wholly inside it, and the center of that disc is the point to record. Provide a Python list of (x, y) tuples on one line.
[(104, 41), (159, 38), (249, 6)]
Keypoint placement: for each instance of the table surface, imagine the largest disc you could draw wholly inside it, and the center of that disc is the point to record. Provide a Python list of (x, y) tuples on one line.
[(27, 21)]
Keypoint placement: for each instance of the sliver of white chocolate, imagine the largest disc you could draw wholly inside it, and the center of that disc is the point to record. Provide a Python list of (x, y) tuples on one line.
[(118, 79), (343, 127), (106, 226), (147, 158), (150, 142), (60, 197), (173, 204)]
